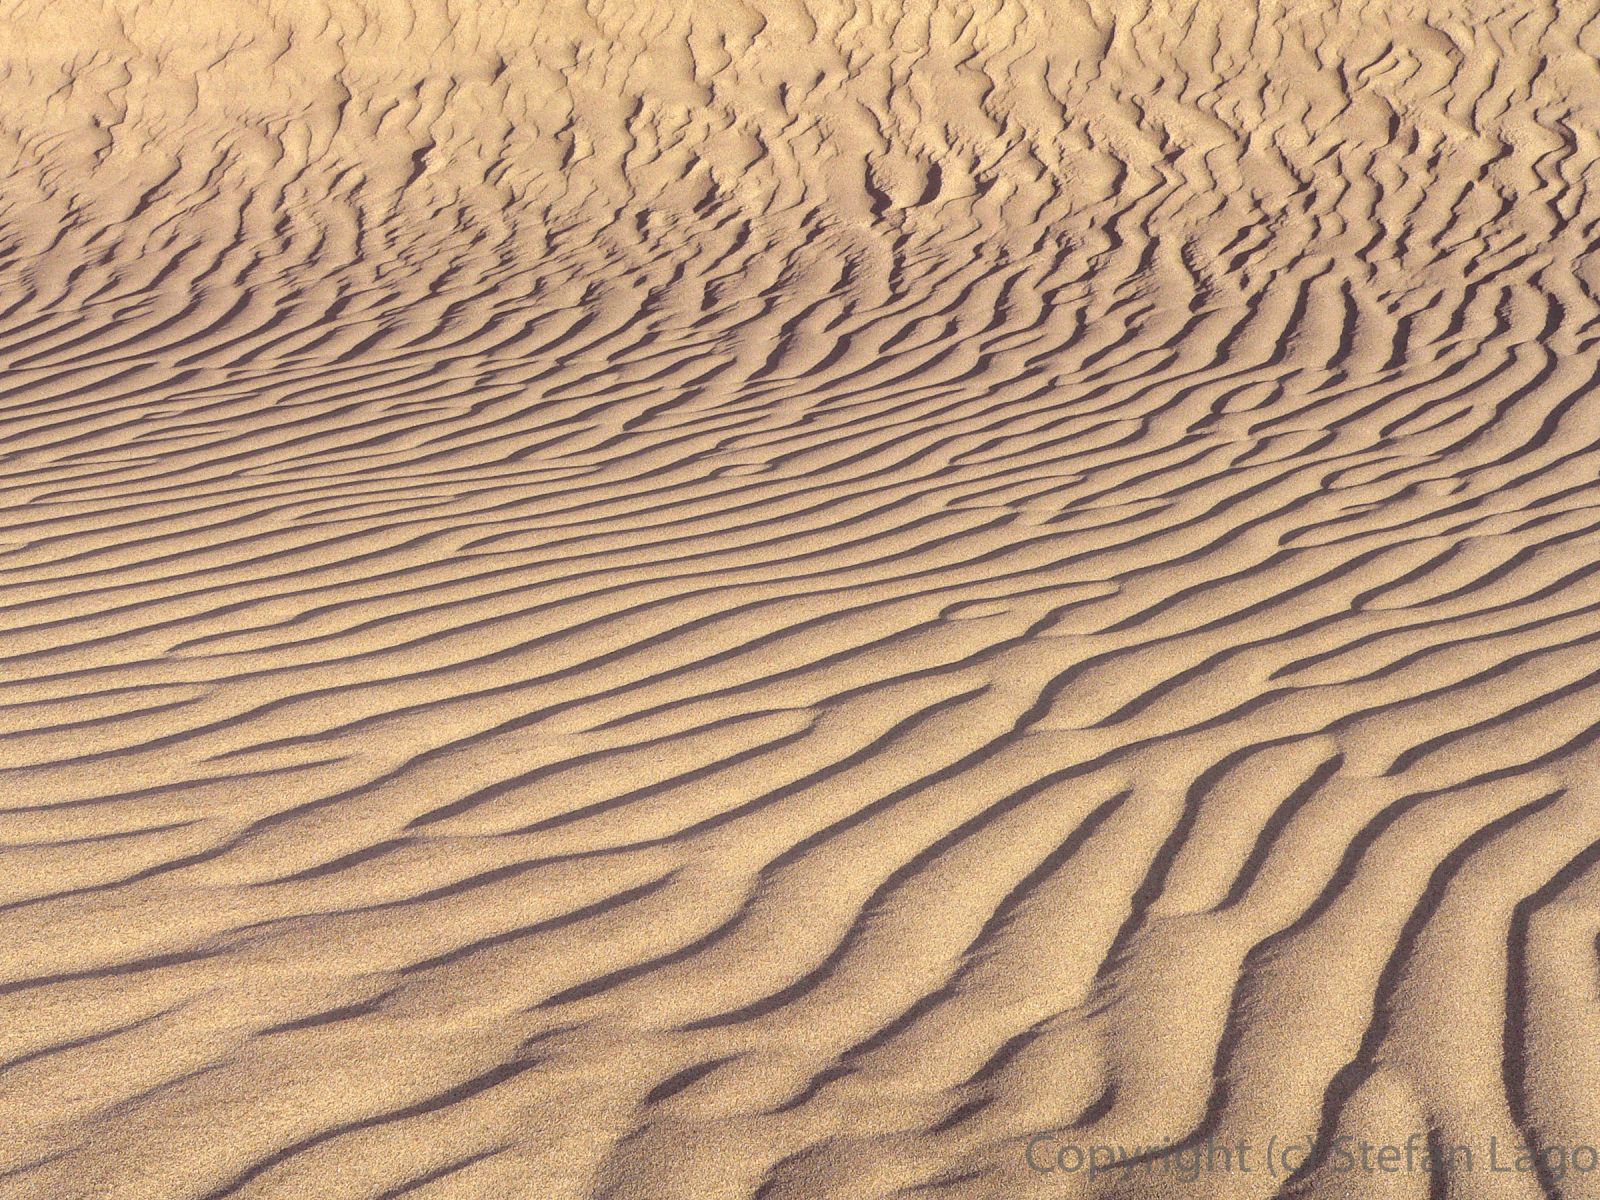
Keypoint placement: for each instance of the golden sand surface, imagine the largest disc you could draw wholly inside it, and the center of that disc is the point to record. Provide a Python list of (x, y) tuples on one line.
[(798, 599)]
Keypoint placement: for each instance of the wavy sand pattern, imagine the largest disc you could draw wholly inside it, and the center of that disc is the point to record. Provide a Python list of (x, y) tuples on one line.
[(769, 599)]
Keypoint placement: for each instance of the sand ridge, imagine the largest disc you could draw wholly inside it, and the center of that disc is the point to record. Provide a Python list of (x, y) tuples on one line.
[(770, 600)]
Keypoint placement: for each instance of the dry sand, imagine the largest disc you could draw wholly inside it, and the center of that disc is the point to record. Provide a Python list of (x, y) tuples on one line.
[(715, 599)]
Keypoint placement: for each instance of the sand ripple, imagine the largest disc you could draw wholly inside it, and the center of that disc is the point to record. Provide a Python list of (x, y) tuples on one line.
[(766, 601)]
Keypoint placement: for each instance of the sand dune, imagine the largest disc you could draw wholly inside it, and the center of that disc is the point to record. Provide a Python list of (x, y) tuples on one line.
[(797, 600)]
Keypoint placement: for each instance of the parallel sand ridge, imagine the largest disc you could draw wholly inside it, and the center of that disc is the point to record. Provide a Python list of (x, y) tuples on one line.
[(769, 600)]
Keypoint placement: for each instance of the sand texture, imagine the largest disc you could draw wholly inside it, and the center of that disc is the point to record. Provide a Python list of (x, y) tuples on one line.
[(769, 599)]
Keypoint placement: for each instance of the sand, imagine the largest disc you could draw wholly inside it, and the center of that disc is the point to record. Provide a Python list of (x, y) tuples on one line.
[(798, 599)]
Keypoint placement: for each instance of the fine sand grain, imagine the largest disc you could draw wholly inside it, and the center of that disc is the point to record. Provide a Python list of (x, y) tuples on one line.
[(769, 599)]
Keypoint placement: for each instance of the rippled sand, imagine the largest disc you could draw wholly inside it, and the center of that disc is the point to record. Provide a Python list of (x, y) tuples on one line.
[(784, 600)]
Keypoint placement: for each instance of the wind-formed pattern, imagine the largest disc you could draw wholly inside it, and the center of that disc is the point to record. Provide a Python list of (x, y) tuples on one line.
[(769, 600)]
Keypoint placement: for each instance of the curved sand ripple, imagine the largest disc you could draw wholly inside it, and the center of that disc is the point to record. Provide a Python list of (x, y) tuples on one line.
[(767, 600)]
